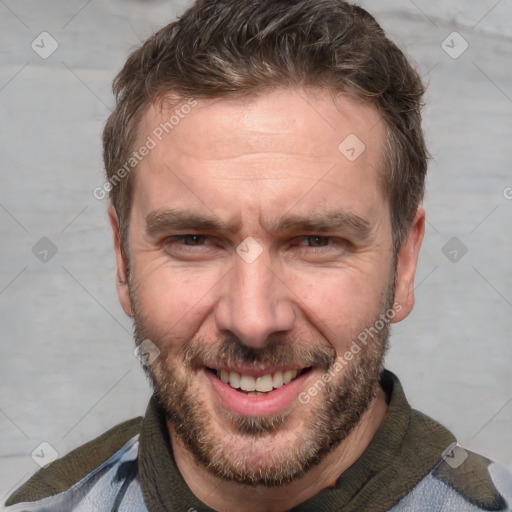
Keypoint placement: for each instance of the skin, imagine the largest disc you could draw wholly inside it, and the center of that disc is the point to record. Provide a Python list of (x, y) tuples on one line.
[(248, 163)]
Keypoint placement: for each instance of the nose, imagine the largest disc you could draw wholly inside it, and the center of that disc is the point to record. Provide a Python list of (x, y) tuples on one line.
[(255, 303)]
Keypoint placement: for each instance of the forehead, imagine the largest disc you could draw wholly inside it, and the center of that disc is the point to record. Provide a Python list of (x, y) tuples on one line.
[(261, 148), (264, 121)]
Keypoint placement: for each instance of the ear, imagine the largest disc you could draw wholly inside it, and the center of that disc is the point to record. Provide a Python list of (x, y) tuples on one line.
[(407, 260), (121, 272)]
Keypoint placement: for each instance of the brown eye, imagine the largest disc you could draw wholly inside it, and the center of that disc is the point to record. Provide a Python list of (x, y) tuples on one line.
[(317, 241), (188, 242), (191, 239)]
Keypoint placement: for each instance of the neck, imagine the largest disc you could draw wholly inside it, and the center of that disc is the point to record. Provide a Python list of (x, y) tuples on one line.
[(233, 497)]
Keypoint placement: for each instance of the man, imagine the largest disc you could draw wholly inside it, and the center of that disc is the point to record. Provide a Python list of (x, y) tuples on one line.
[(266, 167)]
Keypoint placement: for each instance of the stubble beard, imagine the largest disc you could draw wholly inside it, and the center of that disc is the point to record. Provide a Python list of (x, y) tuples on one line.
[(327, 423)]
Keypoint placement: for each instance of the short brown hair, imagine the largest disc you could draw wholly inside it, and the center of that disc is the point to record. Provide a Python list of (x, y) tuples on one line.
[(221, 48)]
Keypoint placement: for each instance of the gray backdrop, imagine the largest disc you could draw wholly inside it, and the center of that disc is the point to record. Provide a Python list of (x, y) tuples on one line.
[(67, 368)]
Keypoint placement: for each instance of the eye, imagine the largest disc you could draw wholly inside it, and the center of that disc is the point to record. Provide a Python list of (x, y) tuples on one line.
[(320, 249), (190, 240), (315, 241), (191, 245), (188, 243)]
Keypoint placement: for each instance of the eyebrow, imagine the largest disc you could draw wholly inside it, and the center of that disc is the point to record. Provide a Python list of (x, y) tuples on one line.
[(160, 222), (325, 223)]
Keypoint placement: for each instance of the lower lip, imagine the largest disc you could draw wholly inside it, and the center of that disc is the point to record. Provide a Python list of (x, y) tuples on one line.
[(273, 402)]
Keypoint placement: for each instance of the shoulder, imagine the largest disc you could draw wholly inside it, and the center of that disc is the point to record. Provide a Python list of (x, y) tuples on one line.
[(462, 481), (62, 474), (437, 472), (480, 481)]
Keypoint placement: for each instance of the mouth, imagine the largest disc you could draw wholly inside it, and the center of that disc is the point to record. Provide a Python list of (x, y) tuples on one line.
[(258, 386), (256, 391)]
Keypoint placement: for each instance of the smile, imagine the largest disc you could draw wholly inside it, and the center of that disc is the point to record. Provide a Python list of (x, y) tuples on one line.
[(256, 392), (256, 386)]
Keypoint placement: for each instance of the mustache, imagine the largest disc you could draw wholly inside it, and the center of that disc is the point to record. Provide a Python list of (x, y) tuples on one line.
[(276, 352)]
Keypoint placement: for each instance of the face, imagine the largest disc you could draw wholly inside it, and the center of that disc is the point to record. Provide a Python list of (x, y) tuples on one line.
[(259, 254)]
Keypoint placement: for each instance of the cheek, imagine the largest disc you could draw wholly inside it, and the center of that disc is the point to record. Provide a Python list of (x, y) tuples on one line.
[(341, 304), (174, 299)]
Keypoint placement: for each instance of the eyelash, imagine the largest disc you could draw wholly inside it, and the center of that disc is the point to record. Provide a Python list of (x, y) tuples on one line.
[(182, 237), (321, 238)]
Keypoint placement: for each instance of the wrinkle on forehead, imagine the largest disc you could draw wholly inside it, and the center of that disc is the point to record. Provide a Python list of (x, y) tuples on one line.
[(277, 121)]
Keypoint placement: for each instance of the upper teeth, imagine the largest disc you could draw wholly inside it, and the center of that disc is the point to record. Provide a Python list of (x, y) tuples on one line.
[(263, 384)]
